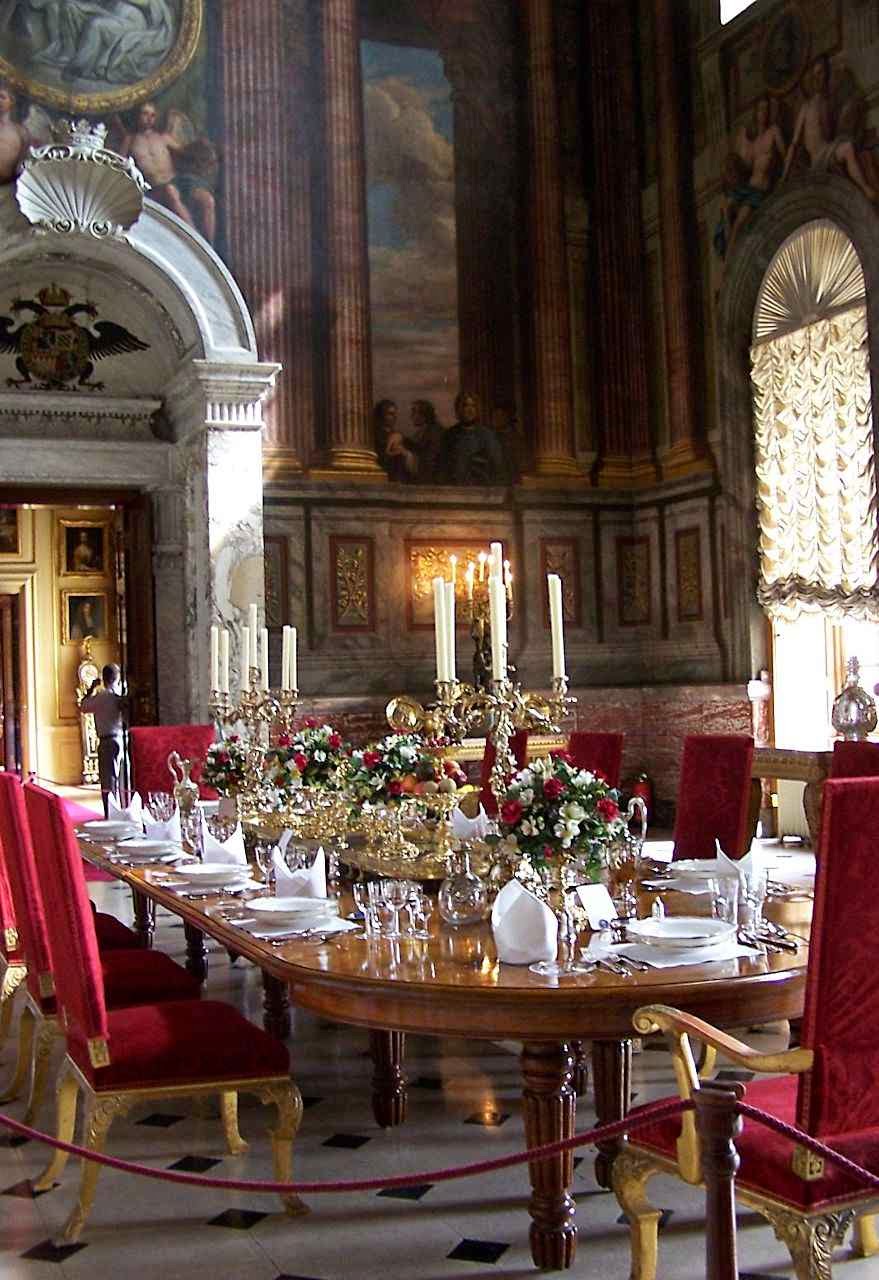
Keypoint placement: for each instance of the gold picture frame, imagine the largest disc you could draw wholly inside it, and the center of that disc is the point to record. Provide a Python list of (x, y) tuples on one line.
[(85, 613), (83, 548), (10, 533), (50, 62)]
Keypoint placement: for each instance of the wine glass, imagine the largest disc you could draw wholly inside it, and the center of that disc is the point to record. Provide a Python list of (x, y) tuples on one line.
[(161, 805), (396, 895), (263, 852), (221, 828), (360, 893), (192, 832), (420, 909)]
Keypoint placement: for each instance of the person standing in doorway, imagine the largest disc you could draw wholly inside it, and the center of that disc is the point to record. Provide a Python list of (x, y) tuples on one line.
[(110, 709)]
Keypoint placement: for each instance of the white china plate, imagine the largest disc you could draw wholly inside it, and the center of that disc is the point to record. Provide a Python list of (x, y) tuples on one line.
[(145, 859), (283, 908), (112, 827), (141, 845), (680, 933), (699, 868), (214, 873)]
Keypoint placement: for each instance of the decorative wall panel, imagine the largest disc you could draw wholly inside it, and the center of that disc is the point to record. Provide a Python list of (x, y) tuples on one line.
[(562, 556), (688, 570), (634, 581), (352, 584), (429, 560), (277, 588)]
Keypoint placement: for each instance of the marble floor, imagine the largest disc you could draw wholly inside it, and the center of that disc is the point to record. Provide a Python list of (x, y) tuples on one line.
[(464, 1106)]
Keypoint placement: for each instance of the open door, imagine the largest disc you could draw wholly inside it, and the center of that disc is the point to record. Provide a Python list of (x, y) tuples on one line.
[(135, 603), (10, 730)]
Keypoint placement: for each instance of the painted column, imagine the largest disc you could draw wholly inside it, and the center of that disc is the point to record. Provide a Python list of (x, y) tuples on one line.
[(620, 386), (268, 220), (553, 416), (350, 445), (678, 238)]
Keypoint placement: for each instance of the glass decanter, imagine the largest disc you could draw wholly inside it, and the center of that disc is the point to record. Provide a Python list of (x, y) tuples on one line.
[(463, 897)]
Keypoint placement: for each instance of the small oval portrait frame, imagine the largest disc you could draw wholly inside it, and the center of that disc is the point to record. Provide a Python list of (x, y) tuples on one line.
[(24, 75)]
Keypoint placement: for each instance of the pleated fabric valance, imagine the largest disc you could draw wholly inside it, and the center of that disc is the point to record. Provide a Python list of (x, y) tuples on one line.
[(816, 477)]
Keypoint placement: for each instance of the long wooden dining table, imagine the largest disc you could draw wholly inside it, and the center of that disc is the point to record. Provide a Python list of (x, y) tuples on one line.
[(454, 985)]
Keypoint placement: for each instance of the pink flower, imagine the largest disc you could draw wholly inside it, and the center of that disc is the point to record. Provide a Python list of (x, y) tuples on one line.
[(511, 812), (554, 788), (609, 809)]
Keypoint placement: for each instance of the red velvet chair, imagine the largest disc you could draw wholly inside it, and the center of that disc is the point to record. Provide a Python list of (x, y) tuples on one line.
[(152, 744), (519, 748), (12, 964), (713, 796), (829, 1088), (145, 1052), (131, 974), (855, 760), (600, 753)]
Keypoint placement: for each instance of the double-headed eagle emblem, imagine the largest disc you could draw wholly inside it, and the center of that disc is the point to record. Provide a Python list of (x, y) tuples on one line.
[(53, 349)]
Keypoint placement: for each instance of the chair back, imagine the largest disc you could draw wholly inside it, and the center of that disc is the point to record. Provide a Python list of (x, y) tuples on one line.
[(713, 796), (10, 942), (152, 744), (600, 753), (841, 1020), (27, 898), (519, 748), (855, 760), (76, 962)]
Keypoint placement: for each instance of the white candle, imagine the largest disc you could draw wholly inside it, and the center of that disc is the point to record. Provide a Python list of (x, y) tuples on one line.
[(468, 579), (294, 660), (497, 604), (508, 580), (497, 559), (264, 658), (215, 659), (224, 660), (481, 558), (450, 629), (245, 659), (439, 627), (556, 622), (254, 635), (453, 561), (285, 658)]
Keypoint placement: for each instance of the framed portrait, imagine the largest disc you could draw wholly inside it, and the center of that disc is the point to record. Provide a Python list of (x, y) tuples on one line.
[(10, 532), (78, 56), (84, 613), (82, 546)]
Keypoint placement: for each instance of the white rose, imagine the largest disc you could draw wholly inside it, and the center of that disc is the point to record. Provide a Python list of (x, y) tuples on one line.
[(572, 811), (527, 796)]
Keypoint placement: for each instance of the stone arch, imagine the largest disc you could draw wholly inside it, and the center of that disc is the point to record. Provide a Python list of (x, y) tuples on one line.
[(815, 196)]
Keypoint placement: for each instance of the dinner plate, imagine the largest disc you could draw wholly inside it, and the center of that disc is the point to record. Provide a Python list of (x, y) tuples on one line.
[(680, 933), (699, 868), (142, 845), (209, 874), (113, 828), (287, 908)]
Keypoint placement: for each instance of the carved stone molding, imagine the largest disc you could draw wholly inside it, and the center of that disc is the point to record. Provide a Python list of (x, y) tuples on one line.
[(221, 395)]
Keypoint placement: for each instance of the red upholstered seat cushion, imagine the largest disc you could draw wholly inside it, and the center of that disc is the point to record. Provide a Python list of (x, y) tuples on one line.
[(183, 1042), (519, 748), (113, 935), (145, 977), (600, 753), (766, 1155), (152, 744)]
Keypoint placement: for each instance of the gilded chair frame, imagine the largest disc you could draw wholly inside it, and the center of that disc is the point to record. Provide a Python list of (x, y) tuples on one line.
[(103, 1106), (37, 1032), (12, 975), (810, 1237)]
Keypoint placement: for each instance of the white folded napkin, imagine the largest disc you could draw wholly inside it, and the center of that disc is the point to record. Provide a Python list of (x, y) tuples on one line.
[(126, 813), (231, 850), (470, 828), (157, 830), (751, 866), (306, 882), (524, 928)]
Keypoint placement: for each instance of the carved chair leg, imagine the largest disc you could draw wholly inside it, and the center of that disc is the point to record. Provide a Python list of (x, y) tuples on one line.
[(42, 1054), (229, 1111), (630, 1175), (100, 1113), (810, 1241), (866, 1241), (67, 1090), (13, 976), (25, 1049), (287, 1101)]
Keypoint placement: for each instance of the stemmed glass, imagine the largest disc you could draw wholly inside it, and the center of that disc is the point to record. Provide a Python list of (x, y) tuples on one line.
[(752, 894), (192, 832), (420, 909), (360, 893), (564, 965), (263, 852), (220, 828), (161, 805), (396, 895)]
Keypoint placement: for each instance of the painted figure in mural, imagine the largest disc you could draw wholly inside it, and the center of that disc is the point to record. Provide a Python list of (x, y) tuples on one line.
[(14, 140), (750, 173), (179, 167), (394, 451), (826, 144), (471, 452), (426, 440), (108, 41)]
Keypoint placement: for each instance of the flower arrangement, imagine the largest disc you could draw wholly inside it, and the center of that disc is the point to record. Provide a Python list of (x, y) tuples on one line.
[(280, 776), (399, 766), (554, 812), (319, 754), (225, 765)]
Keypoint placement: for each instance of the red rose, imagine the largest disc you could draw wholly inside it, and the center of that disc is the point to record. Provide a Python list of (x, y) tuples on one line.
[(553, 788), (609, 809), (371, 759), (223, 757), (511, 812), (300, 761), (284, 739), (334, 741), (395, 787), (560, 753), (310, 722)]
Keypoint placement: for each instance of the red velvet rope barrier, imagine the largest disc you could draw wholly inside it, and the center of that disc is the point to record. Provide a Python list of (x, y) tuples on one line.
[(631, 1124)]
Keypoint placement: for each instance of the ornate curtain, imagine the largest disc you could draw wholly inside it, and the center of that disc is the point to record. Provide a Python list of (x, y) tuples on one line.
[(816, 480)]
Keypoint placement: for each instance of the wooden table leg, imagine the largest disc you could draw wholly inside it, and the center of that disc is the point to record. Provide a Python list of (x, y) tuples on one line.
[(196, 952), (275, 1006), (144, 917), (550, 1105), (388, 1078), (612, 1082), (581, 1068)]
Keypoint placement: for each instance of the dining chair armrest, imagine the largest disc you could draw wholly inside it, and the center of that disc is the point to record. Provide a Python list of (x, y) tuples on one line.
[(677, 1025)]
